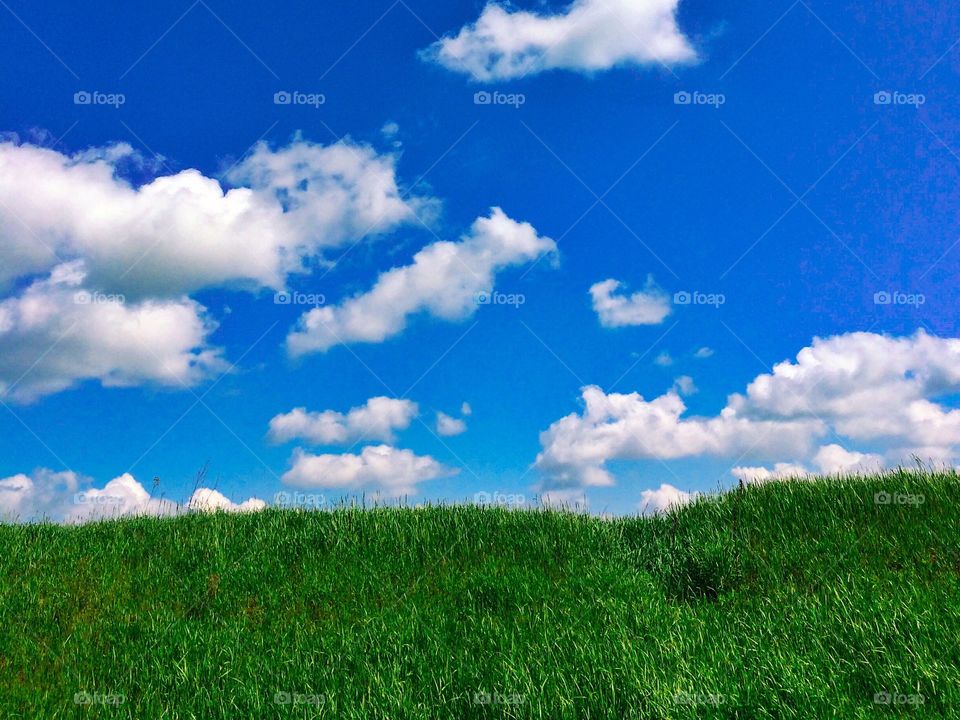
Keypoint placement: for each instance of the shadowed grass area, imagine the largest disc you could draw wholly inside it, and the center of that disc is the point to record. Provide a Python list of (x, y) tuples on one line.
[(792, 599)]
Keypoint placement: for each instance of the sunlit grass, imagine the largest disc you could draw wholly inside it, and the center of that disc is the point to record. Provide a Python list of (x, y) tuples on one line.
[(794, 599)]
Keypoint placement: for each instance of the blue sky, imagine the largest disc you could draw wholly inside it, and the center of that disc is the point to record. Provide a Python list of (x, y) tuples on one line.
[(787, 187)]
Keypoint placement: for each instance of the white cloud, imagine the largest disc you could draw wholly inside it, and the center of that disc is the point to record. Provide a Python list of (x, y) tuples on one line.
[(870, 387), (377, 419), (207, 500), (123, 496), (619, 426), (930, 455), (835, 460), (780, 471), (664, 359), (664, 498), (647, 307), (860, 386), (183, 232), (380, 468), (588, 36), (684, 385), (71, 226), (703, 353), (39, 495), (447, 425), (830, 459), (54, 335), (443, 280), (67, 497)]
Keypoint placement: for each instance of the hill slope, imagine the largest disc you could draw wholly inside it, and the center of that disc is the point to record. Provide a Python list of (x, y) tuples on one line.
[(792, 599)]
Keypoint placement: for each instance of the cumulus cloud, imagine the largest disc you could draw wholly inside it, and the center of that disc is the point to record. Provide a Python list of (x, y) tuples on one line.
[(830, 459), (834, 460), (780, 471), (663, 498), (377, 419), (182, 232), (447, 425), (68, 497), (684, 385), (40, 495), (379, 468), (207, 500), (646, 307), (703, 353), (121, 497), (871, 387), (98, 271), (54, 335), (443, 280), (587, 36), (619, 426), (860, 386)]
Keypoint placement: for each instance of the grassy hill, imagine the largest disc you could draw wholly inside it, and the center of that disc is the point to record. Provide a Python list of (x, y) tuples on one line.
[(796, 599)]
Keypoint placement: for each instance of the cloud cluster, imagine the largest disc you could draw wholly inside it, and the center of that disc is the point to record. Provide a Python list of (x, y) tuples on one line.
[(67, 497), (54, 334), (179, 233), (663, 498), (588, 36), (385, 469), (382, 470), (98, 271), (207, 500), (444, 280), (863, 387), (649, 306), (830, 459), (377, 419), (619, 426), (447, 425)]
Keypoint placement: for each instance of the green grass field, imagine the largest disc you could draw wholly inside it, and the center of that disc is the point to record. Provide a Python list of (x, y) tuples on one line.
[(798, 599)]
